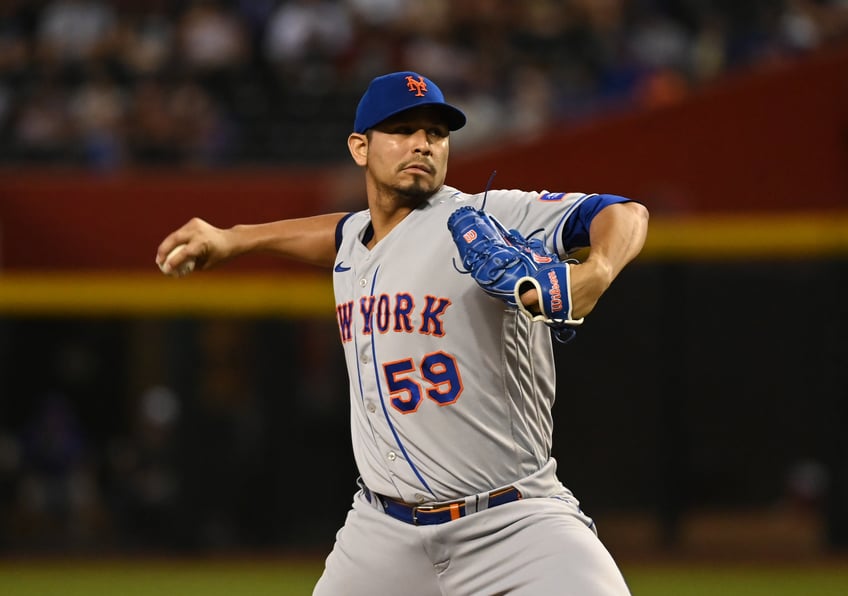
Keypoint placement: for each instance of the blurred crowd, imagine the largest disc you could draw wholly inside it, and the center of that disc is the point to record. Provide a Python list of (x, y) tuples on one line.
[(107, 84), (171, 434)]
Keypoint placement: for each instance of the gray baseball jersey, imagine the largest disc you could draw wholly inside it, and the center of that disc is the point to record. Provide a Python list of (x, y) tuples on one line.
[(451, 390), (451, 394)]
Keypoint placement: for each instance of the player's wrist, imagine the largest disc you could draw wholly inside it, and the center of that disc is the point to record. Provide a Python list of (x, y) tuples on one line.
[(240, 239), (589, 281)]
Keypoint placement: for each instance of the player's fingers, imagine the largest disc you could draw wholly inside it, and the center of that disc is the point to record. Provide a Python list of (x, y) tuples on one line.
[(529, 296), (178, 263), (170, 251), (182, 246)]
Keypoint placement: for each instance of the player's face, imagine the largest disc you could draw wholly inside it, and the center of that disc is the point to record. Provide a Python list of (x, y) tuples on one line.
[(407, 154)]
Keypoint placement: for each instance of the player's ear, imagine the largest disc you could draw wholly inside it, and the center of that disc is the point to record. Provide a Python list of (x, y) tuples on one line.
[(358, 145)]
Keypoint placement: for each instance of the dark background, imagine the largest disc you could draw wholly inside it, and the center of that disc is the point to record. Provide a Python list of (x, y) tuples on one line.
[(692, 387)]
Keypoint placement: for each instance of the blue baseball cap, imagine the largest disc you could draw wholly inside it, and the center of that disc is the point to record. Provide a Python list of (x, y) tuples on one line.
[(396, 92)]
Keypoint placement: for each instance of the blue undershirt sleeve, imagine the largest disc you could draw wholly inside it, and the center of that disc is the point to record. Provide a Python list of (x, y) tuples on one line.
[(339, 227), (575, 232)]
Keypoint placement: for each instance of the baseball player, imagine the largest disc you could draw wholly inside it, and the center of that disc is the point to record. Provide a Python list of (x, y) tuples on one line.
[(446, 305)]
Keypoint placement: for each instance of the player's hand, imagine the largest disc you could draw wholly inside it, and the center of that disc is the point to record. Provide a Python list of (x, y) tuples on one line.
[(589, 280), (196, 245), (530, 299)]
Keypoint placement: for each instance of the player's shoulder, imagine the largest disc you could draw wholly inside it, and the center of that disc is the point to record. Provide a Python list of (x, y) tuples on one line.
[(477, 199), (355, 219), (513, 195), (350, 225), (510, 199)]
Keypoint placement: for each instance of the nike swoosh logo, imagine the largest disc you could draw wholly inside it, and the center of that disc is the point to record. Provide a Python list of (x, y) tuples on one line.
[(340, 268)]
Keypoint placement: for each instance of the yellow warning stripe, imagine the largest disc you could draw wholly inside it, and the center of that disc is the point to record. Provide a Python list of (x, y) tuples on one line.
[(207, 294), (219, 293), (747, 237)]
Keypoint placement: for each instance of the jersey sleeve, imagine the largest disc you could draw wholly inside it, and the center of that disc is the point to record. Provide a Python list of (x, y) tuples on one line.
[(575, 228), (563, 219)]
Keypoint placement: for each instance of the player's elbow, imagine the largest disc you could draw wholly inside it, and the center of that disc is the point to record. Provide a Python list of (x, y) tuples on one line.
[(643, 216), (637, 218), (638, 211)]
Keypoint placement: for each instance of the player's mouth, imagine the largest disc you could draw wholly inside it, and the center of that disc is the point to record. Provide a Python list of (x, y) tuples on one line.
[(418, 168)]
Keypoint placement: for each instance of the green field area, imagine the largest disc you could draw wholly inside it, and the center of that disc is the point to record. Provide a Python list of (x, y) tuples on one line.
[(284, 578)]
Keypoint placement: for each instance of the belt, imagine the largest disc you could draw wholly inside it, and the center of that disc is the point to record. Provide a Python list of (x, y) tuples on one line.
[(428, 515)]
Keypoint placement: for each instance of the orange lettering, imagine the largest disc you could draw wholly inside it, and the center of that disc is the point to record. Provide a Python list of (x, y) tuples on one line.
[(555, 292)]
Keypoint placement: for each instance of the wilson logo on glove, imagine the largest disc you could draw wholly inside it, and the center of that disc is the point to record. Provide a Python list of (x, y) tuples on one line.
[(470, 236), (555, 292)]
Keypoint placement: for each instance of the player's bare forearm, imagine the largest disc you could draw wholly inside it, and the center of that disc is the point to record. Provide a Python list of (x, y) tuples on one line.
[(309, 239), (617, 235)]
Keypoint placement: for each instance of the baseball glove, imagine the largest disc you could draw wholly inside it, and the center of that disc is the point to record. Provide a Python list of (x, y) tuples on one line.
[(505, 264)]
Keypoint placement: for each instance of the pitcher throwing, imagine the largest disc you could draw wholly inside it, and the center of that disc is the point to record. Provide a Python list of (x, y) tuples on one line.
[(447, 303)]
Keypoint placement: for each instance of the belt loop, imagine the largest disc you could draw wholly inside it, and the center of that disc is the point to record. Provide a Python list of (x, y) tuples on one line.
[(483, 502)]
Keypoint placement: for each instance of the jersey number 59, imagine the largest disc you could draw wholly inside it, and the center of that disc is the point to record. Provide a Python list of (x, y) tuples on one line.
[(439, 370)]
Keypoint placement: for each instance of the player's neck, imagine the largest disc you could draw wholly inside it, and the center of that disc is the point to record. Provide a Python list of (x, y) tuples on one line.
[(383, 222), (388, 209)]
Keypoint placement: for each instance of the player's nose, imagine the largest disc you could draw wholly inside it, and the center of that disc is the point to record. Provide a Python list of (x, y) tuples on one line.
[(421, 141)]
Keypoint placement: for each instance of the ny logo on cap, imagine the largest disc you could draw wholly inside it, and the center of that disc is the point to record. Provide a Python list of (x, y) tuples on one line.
[(419, 86)]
